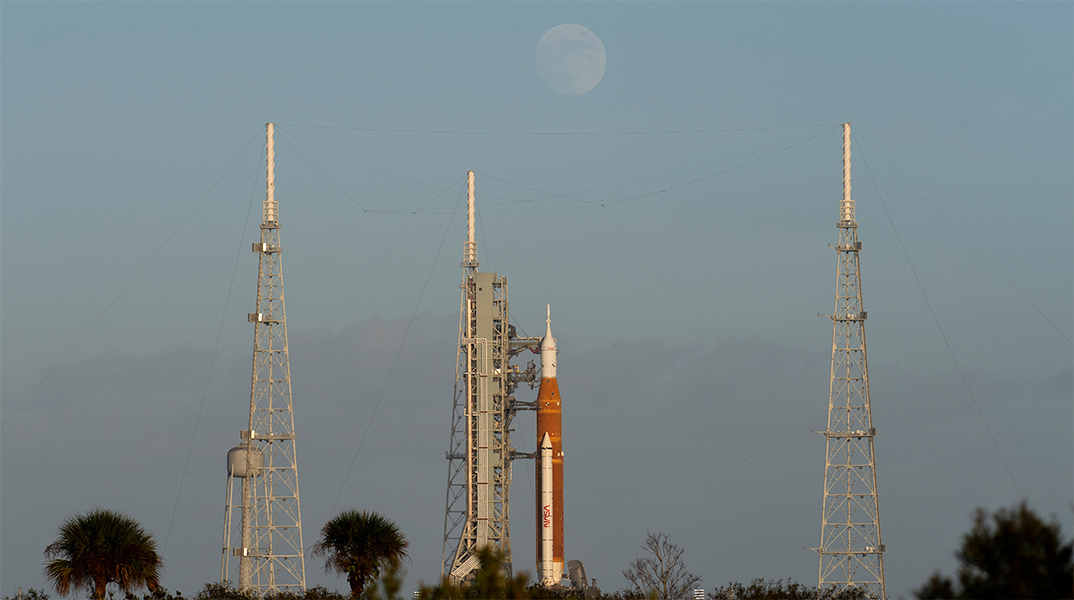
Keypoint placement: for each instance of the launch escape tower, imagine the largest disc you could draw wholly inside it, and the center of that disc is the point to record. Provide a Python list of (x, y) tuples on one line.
[(479, 456), (270, 553), (851, 551)]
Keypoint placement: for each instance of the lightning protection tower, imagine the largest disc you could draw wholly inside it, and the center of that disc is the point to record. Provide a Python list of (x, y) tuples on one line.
[(269, 556), (851, 551), (479, 457)]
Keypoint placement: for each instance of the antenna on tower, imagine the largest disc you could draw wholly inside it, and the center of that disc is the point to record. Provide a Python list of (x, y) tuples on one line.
[(846, 206), (469, 251), (851, 551), (270, 556)]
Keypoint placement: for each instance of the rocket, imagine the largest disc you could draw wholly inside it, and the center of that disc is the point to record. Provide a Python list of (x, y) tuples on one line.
[(550, 466)]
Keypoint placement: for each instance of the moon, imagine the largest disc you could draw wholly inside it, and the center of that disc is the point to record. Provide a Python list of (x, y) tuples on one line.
[(570, 59)]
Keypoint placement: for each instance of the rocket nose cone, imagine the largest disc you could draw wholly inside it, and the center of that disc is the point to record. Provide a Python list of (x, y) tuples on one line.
[(548, 342), (548, 350), (546, 441)]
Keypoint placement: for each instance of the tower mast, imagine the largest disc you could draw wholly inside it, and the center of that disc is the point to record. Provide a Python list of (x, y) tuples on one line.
[(851, 551), (270, 555), (477, 507)]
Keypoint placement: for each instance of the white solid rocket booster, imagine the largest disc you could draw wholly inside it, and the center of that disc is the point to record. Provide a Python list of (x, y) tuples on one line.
[(549, 576)]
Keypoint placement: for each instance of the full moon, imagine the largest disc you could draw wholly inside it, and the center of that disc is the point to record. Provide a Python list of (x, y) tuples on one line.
[(570, 59)]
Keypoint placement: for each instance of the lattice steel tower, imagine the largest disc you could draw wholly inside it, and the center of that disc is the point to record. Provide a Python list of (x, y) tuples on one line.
[(851, 551), (270, 554), (479, 457)]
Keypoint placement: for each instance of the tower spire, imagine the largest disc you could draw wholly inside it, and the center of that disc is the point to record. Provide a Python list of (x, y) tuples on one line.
[(851, 551), (846, 207), (270, 555), (469, 252)]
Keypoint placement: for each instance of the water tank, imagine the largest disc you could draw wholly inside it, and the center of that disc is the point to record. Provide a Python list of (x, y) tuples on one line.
[(237, 464)]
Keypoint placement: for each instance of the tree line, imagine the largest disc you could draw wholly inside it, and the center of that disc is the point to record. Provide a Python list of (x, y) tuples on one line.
[(1011, 553)]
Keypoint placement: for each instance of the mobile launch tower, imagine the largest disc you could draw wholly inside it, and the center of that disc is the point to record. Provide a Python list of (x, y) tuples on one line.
[(479, 457), (269, 554), (851, 551)]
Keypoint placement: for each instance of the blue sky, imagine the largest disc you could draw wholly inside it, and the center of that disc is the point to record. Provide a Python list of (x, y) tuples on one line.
[(676, 217)]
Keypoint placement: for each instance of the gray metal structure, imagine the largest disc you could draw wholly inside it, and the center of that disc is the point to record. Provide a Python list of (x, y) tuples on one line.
[(851, 551), (480, 453), (270, 556)]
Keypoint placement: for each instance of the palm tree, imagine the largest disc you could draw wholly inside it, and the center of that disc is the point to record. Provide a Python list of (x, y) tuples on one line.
[(102, 547), (359, 544)]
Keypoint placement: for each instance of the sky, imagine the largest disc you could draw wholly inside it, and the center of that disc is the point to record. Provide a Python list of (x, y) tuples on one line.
[(676, 217)]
